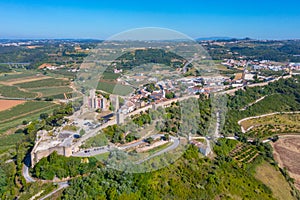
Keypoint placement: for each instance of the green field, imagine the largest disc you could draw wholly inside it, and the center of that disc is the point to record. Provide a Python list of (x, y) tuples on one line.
[(15, 92), (51, 82), (28, 111), (272, 177), (110, 76), (51, 91), (9, 76), (113, 88)]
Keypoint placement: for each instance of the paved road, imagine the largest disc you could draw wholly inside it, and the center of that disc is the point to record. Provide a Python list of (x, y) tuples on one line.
[(100, 150), (62, 185), (92, 152), (174, 145), (25, 172)]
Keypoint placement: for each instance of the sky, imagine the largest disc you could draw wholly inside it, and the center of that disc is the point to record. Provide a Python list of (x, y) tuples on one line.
[(100, 19)]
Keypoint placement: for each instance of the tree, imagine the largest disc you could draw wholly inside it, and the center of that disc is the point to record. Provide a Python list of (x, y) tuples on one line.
[(44, 116), (170, 95), (167, 137)]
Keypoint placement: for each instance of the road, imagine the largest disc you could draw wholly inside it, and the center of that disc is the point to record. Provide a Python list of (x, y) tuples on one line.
[(105, 149), (218, 125), (92, 152), (25, 172), (174, 145), (62, 185)]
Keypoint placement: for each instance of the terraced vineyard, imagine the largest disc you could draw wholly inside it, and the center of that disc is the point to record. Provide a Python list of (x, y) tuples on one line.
[(244, 153)]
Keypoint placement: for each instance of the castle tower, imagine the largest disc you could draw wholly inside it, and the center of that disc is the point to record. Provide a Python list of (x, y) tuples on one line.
[(120, 117), (117, 105)]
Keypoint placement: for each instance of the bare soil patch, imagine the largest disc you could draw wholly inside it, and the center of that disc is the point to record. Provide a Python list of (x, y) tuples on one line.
[(7, 104), (287, 154)]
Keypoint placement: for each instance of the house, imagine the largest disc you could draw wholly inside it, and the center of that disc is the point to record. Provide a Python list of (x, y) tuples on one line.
[(203, 148)]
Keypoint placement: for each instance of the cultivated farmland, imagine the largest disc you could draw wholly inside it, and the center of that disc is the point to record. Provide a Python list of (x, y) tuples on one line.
[(27, 111), (51, 82), (113, 88), (15, 92), (51, 91), (7, 104)]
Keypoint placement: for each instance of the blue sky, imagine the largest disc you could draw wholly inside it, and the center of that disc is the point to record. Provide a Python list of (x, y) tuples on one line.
[(263, 19)]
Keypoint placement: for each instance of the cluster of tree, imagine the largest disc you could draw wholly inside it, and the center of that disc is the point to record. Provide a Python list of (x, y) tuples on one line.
[(142, 119), (170, 95), (144, 56), (150, 87), (192, 177), (62, 167)]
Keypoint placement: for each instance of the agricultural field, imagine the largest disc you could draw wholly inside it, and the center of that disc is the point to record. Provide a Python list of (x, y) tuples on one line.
[(273, 178), (15, 92), (24, 80), (50, 82), (7, 104), (286, 153), (114, 88), (244, 153), (51, 91), (27, 111), (18, 75), (275, 124)]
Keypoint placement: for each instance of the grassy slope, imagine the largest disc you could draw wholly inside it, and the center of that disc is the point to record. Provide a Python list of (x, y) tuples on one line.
[(274, 180)]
